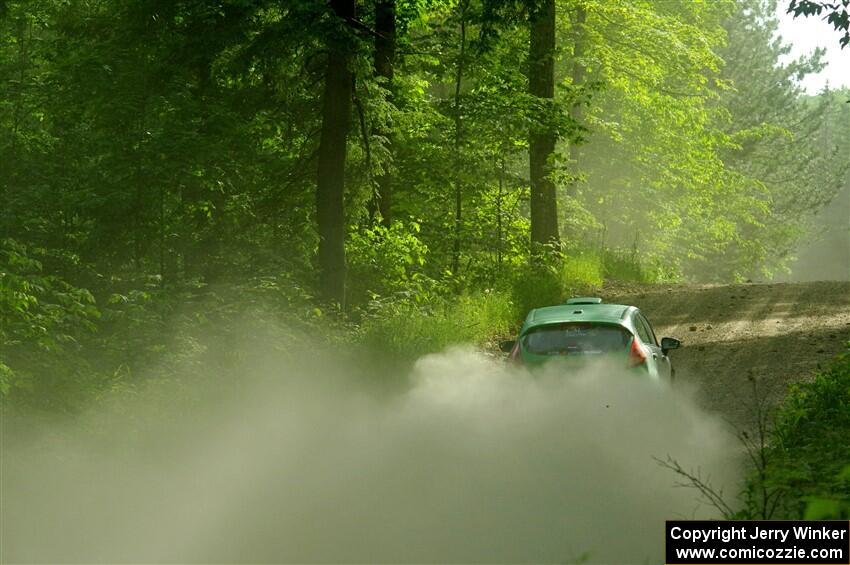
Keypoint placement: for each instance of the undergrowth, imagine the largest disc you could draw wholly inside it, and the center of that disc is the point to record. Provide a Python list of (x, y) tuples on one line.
[(808, 459), (63, 346)]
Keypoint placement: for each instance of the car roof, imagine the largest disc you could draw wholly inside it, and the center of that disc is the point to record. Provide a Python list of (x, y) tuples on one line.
[(578, 312)]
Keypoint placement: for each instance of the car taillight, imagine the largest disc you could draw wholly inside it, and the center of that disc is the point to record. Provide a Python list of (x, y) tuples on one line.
[(636, 355)]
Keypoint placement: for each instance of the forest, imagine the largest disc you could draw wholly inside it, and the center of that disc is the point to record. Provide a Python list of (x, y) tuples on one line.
[(385, 177), (395, 157)]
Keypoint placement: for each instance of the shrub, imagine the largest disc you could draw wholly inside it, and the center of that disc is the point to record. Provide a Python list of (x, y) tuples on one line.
[(554, 278), (384, 261), (621, 265), (808, 458), (42, 318), (403, 330)]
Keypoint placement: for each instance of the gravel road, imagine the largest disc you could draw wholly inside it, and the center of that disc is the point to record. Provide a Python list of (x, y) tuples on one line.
[(776, 333)]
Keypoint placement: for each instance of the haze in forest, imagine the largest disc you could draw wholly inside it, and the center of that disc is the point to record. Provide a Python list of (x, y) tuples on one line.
[(825, 253)]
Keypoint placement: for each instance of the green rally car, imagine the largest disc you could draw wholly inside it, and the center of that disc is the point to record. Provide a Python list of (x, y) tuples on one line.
[(585, 327)]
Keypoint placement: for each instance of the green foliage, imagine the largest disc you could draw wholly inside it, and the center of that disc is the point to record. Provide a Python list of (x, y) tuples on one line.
[(581, 272), (819, 508), (408, 325), (809, 460), (386, 261), (401, 330), (163, 155), (178, 139), (652, 173), (553, 278), (536, 286), (42, 319), (624, 265), (791, 149)]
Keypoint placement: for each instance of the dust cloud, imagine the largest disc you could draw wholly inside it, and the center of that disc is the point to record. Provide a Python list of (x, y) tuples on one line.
[(825, 253), (475, 461)]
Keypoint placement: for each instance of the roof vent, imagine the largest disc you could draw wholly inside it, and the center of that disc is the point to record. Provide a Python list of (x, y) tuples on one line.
[(584, 300)]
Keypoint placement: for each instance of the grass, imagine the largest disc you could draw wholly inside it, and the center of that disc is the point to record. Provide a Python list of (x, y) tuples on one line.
[(405, 331), (624, 265)]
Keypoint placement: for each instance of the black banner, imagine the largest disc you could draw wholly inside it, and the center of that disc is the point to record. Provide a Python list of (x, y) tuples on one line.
[(694, 542)]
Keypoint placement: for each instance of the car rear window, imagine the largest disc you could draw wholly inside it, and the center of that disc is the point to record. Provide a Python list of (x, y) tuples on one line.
[(575, 337)]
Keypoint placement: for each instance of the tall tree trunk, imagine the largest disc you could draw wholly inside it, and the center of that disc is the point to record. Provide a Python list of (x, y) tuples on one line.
[(330, 179), (541, 80), (458, 140), (578, 73), (385, 52)]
